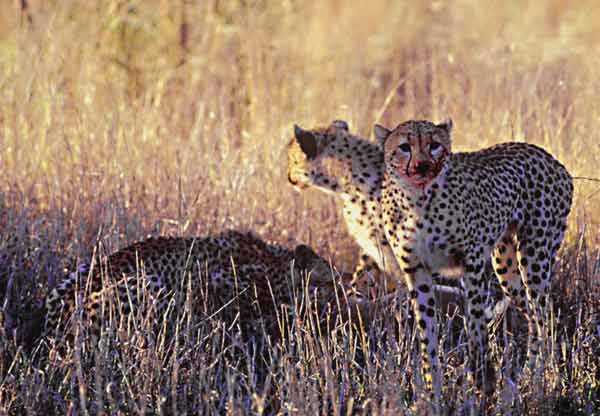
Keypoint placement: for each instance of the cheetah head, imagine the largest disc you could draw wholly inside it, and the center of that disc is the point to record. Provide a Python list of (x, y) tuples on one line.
[(327, 285), (306, 260), (323, 280), (415, 151), (308, 154)]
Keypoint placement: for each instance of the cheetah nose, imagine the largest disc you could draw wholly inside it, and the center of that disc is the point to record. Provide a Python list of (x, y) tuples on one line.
[(422, 168)]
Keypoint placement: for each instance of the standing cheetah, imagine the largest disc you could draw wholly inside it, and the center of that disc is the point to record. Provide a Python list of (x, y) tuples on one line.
[(336, 162), (448, 212), (231, 272)]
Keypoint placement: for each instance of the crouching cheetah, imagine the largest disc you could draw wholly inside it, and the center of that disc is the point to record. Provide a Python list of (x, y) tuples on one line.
[(447, 212), (232, 273), (336, 162)]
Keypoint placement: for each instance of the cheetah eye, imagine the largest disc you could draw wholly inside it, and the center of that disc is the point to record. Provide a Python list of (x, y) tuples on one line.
[(434, 146), (405, 147)]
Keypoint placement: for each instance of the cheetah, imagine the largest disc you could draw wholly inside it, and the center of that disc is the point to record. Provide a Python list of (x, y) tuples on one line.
[(447, 213), (233, 272), (336, 162)]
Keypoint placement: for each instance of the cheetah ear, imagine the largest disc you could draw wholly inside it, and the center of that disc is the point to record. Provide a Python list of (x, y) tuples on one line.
[(340, 124), (304, 256), (381, 133), (446, 125), (307, 141)]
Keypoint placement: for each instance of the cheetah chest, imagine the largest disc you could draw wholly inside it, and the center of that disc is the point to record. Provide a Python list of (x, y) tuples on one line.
[(363, 224), (437, 238)]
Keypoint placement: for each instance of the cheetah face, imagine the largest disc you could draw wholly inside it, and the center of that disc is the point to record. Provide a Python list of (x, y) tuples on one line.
[(414, 151), (306, 260), (322, 279), (324, 282), (308, 164)]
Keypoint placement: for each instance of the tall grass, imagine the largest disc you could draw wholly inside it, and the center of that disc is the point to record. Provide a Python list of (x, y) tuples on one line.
[(124, 118)]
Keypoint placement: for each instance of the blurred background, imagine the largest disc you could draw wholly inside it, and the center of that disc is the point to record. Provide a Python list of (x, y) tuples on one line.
[(123, 118)]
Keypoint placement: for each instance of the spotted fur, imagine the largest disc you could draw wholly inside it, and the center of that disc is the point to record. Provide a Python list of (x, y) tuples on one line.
[(449, 212), (334, 161), (232, 273)]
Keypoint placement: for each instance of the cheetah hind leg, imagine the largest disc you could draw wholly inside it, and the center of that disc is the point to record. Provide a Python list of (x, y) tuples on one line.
[(60, 302), (535, 264), (506, 268)]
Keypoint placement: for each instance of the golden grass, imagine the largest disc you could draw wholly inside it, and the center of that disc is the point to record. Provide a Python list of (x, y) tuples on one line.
[(103, 103), (122, 118)]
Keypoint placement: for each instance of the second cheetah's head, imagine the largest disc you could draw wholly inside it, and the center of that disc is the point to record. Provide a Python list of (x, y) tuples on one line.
[(308, 161), (415, 151), (307, 261), (323, 280), (326, 283)]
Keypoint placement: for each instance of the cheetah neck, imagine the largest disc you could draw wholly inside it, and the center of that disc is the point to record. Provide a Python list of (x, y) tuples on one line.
[(335, 176), (367, 171), (352, 167), (411, 200)]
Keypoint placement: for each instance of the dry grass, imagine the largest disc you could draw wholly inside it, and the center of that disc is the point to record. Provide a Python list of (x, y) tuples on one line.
[(128, 118)]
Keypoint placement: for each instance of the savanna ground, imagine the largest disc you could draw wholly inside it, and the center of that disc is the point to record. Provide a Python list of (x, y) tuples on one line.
[(120, 119)]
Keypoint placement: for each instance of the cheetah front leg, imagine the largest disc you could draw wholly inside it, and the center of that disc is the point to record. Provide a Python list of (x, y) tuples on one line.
[(506, 268), (420, 286), (419, 282), (477, 328), (365, 265), (368, 278)]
